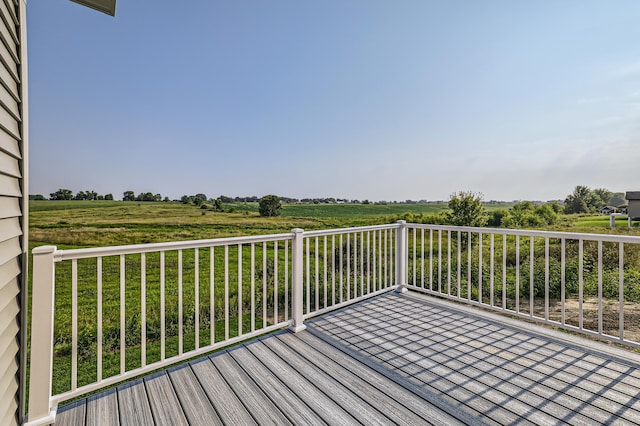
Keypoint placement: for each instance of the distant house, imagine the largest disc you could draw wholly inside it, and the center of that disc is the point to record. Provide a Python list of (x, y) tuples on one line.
[(608, 210)]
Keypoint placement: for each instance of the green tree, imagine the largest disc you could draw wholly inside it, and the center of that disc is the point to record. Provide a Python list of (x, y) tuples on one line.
[(496, 217), (270, 205), (108, 197), (61, 194), (584, 200), (604, 195), (466, 209), (199, 199), (128, 196)]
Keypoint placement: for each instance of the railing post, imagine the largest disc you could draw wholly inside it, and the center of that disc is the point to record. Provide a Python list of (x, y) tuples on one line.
[(41, 366), (401, 256), (297, 280)]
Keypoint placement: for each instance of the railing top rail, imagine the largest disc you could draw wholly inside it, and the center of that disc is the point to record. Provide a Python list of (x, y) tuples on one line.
[(61, 255), (323, 232), (533, 233)]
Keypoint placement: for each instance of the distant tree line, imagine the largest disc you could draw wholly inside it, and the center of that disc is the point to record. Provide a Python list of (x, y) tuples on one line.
[(67, 194)]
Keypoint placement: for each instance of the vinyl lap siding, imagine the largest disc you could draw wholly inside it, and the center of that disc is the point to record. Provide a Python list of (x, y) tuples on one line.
[(11, 208)]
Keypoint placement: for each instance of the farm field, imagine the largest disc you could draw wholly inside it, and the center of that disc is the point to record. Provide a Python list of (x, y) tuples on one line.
[(77, 224), (103, 223)]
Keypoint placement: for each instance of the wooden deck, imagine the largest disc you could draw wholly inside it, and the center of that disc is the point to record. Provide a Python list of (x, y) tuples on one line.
[(393, 359)]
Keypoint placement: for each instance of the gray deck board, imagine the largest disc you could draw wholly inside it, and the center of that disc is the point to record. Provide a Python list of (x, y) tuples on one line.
[(163, 401), (134, 404), (287, 401), (227, 404), (363, 412), (394, 410), (102, 409), (325, 407), (72, 414), (424, 408), (392, 359), (195, 403), (264, 410)]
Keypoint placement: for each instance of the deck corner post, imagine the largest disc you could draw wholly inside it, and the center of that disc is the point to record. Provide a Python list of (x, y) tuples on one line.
[(401, 257), (297, 293), (41, 365)]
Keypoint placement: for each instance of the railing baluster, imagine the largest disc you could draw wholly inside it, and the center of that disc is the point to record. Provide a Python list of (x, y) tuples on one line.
[(480, 267), (546, 279), (621, 289), (491, 268), (180, 308), (504, 271), (226, 292), (517, 273), (355, 265), (415, 250), (143, 309), (275, 282), (333, 270), (531, 276), (580, 281), (431, 259), (439, 261), (459, 264), (378, 258), (99, 324), (317, 280), (163, 326), (600, 287), (449, 262), (324, 260), (212, 301), (239, 289), (265, 283), (348, 266), (340, 259), (74, 324), (122, 314), (361, 264), (469, 266), (563, 277), (308, 275), (374, 261), (253, 287), (286, 280), (386, 260), (422, 257)]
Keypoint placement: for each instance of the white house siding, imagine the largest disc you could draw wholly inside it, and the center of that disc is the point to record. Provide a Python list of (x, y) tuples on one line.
[(12, 203)]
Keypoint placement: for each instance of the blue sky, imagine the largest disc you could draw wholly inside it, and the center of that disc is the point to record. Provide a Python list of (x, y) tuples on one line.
[(359, 99)]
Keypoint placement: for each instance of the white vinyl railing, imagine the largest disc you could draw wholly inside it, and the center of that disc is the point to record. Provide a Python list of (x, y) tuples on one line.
[(118, 312), (104, 315), (574, 281)]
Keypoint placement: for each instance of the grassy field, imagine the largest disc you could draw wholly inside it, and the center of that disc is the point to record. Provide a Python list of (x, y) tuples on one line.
[(76, 224), (104, 223)]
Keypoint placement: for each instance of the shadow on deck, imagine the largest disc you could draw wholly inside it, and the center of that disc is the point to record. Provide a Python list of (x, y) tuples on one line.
[(393, 359)]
